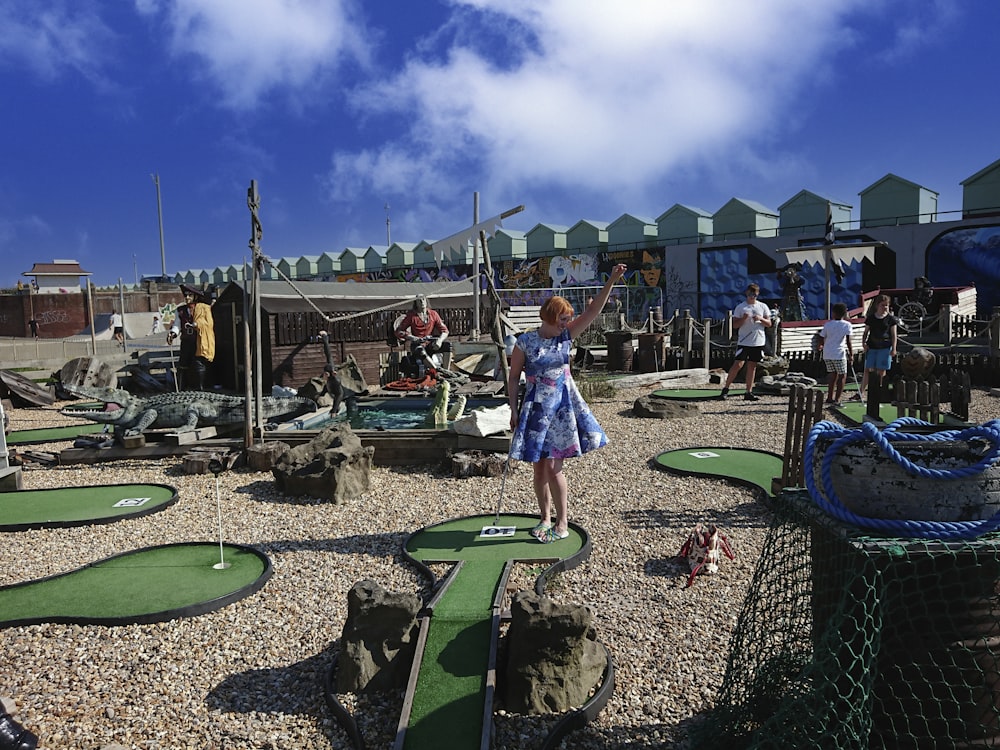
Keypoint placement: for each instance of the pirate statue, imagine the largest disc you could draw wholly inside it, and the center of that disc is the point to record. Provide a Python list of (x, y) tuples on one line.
[(792, 305), (196, 327), (423, 328)]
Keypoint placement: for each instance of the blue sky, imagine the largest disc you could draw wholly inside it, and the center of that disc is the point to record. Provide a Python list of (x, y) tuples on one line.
[(578, 109)]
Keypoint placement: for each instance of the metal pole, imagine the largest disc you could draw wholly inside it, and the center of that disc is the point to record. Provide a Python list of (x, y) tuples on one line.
[(121, 306), (475, 268), (90, 303), (159, 214), (826, 276)]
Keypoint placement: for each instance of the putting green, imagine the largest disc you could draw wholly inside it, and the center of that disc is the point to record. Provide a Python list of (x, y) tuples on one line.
[(855, 412), (753, 467), (80, 506), (52, 434), (143, 586), (448, 703)]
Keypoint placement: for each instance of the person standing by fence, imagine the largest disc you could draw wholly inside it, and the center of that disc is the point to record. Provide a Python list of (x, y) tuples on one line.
[(752, 318), (878, 341), (837, 351)]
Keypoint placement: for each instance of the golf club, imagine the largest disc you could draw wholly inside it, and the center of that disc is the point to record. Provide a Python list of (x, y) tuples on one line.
[(495, 529)]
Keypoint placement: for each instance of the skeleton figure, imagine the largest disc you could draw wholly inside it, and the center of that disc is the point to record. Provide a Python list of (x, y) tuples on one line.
[(702, 550)]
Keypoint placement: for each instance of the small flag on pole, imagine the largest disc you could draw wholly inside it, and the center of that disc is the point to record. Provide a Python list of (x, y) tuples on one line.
[(830, 234)]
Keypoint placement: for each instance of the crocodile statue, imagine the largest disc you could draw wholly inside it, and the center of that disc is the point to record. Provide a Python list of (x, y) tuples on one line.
[(185, 410)]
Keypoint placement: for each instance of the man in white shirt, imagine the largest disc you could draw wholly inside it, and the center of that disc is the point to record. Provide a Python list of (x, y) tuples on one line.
[(751, 318), (117, 327)]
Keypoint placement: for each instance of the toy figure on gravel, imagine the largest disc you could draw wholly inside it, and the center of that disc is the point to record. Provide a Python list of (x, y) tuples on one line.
[(702, 550)]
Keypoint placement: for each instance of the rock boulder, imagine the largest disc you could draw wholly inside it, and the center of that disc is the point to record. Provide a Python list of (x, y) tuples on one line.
[(664, 408), (379, 639), (554, 660), (333, 465)]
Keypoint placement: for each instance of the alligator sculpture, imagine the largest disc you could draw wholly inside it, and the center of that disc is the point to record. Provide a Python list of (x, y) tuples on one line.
[(185, 410)]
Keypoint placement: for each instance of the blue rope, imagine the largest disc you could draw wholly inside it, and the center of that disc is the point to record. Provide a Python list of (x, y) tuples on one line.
[(826, 498)]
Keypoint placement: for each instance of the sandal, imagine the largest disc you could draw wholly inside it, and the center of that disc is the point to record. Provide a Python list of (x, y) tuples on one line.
[(551, 535), (539, 531)]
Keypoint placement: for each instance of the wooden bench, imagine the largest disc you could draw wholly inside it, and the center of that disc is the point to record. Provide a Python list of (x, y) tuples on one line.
[(521, 318)]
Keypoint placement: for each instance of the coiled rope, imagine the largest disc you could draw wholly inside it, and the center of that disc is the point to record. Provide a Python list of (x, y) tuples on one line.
[(826, 498)]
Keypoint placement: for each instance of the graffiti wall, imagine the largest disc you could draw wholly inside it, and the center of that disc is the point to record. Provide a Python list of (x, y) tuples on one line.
[(531, 282), (961, 257)]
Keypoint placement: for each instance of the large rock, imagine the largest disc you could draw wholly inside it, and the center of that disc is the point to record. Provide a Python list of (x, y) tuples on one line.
[(781, 385), (918, 364), (379, 639), (333, 465), (352, 383), (664, 408), (315, 388), (554, 660)]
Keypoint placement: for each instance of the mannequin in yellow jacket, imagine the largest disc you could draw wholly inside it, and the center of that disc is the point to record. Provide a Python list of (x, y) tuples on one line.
[(196, 327)]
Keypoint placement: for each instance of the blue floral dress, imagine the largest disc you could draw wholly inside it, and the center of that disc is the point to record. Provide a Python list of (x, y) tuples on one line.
[(555, 421)]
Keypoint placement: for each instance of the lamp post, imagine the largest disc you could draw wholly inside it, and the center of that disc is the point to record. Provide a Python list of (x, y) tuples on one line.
[(159, 215)]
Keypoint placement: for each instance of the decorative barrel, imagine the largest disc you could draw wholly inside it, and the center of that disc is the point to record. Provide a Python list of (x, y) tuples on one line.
[(620, 350), (933, 606), (871, 484), (651, 352)]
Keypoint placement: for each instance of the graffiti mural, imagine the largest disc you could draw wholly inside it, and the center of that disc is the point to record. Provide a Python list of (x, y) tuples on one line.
[(529, 282), (961, 257), (725, 273)]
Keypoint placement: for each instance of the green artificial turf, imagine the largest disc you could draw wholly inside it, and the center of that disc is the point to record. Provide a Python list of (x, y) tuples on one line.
[(855, 412), (448, 702), (77, 506), (756, 468), (146, 585)]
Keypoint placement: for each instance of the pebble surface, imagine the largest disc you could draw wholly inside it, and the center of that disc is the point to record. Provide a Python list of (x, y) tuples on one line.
[(251, 675)]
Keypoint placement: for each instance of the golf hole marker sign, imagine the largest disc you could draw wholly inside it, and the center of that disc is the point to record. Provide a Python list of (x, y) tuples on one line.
[(703, 454), (495, 531), (131, 502)]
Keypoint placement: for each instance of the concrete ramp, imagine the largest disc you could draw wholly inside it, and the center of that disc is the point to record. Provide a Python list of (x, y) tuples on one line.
[(137, 325)]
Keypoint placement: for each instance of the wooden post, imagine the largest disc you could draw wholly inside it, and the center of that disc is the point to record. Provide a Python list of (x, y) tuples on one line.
[(688, 338), (805, 408), (947, 323), (875, 384), (995, 334), (707, 343)]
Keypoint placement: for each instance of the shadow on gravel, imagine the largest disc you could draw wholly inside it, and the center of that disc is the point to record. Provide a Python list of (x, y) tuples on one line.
[(743, 516), (295, 689)]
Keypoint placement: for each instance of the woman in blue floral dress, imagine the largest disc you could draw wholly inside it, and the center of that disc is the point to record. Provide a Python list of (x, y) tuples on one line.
[(553, 422)]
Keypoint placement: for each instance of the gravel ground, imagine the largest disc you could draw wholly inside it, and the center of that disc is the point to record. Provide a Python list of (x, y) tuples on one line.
[(251, 675)]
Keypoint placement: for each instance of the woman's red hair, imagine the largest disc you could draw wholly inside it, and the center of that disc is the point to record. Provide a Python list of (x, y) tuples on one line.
[(553, 308)]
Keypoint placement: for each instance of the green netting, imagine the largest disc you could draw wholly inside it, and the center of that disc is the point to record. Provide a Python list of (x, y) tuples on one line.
[(848, 640)]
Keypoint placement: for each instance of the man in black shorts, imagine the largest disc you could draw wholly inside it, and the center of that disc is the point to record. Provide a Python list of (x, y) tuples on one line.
[(751, 318)]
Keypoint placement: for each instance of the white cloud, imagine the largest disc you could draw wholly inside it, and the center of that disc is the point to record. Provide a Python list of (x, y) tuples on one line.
[(607, 97), (251, 48), (52, 38)]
